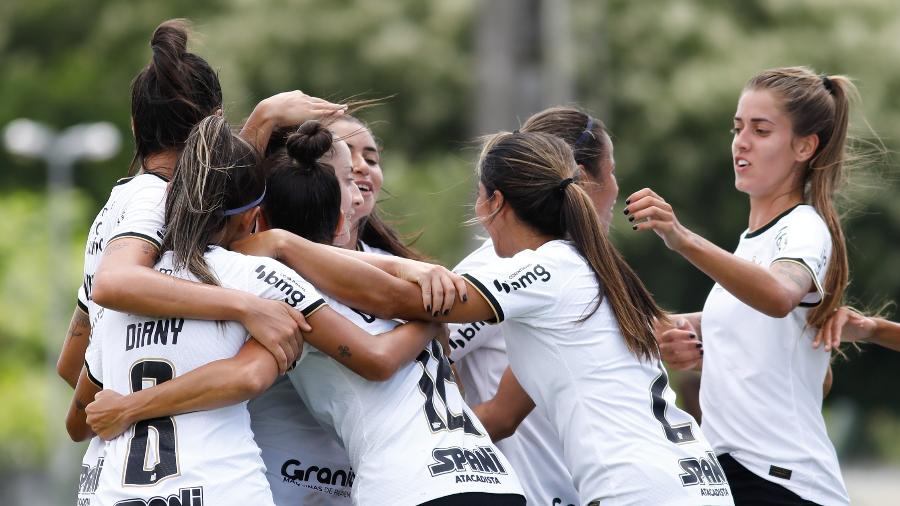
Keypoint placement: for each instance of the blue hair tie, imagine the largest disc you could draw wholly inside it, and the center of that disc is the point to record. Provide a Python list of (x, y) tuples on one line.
[(239, 210), (587, 132)]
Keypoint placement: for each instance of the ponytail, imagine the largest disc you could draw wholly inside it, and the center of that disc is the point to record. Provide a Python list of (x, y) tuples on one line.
[(215, 176), (533, 172)]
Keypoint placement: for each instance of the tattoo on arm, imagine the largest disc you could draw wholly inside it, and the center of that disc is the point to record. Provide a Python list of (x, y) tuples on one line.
[(79, 325), (79, 405), (344, 351), (796, 274)]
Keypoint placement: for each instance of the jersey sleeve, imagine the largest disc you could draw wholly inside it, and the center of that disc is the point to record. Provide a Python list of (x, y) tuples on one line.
[(271, 279), (804, 240), (518, 286), (81, 300), (144, 214), (468, 337), (93, 363)]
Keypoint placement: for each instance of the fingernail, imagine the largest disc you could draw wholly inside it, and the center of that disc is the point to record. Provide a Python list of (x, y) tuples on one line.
[(435, 314), (446, 312), (625, 211), (465, 298), (699, 346), (631, 218), (428, 309), (634, 227), (627, 201), (693, 336), (701, 353)]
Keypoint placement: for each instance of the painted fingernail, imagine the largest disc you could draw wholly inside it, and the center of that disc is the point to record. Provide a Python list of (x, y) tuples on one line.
[(446, 312), (701, 353), (699, 346), (465, 298), (625, 211), (627, 201), (631, 218), (693, 336), (428, 309), (634, 227), (436, 313)]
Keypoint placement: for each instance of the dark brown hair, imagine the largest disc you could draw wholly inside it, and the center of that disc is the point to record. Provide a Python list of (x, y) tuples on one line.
[(585, 134), (304, 195), (531, 170), (818, 105), (217, 171), (171, 94)]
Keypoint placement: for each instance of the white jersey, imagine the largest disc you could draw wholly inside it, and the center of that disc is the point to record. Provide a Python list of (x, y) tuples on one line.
[(305, 464), (479, 352), (135, 208), (411, 439), (761, 389), (203, 457), (624, 440)]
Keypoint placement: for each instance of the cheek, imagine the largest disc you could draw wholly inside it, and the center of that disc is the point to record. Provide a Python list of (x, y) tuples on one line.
[(377, 179)]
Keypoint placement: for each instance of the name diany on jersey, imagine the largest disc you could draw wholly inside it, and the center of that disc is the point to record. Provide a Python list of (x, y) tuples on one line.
[(292, 295), (145, 333), (523, 278), (481, 460)]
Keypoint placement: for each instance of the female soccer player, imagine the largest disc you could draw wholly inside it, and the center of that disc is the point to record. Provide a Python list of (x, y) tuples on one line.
[(479, 351), (587, 356), (761, 389), (212, 202)]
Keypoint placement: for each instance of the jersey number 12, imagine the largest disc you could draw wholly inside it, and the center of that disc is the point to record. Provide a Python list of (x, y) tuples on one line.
[(438, 385)]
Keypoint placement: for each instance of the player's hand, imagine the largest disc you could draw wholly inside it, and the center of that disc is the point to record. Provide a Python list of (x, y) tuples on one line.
[(277, 326), (440, 286), (844, 325), (648, 211), (106, 415), (679, 347), (294, 107)]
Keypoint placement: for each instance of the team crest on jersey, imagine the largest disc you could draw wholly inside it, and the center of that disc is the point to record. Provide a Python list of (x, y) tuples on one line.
[(523, 278), (781, 240), (292, 295), (482, 460), (186, 497)]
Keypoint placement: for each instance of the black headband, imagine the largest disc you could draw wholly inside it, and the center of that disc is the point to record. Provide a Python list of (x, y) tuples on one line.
[(826, 82)]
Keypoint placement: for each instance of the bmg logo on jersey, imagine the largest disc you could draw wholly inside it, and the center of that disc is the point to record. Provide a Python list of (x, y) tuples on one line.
[(292, 295), (526, 277), (455, 459), (186, 497)]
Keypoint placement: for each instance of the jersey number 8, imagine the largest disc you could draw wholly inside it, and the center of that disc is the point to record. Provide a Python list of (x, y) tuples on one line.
[(139, 469)]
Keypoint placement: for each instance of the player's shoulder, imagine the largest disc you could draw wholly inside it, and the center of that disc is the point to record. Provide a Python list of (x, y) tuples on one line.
[(482, 256)]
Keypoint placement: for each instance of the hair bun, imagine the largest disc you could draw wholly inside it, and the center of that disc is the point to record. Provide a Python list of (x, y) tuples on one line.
[(311, 141), (169, 40)]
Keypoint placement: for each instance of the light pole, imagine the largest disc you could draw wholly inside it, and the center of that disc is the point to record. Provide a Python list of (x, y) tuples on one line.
[(60, 151)]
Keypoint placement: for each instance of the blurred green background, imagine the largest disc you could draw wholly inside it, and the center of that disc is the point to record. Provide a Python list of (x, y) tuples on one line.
[(664, 75)]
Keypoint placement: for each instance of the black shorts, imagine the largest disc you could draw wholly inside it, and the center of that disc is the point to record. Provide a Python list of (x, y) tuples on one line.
[(749, 489), (477, 499)]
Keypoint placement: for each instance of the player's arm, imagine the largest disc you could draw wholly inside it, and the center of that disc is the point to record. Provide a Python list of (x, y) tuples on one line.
[(214, 385), (774, 290), (282, 110), (502, 414), (350, 278), (375, 358), (126, 281), (849, 325), (76, 423), (71, 356)]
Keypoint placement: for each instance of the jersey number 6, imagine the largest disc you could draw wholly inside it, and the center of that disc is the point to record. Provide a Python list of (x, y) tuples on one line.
[(139, 468)]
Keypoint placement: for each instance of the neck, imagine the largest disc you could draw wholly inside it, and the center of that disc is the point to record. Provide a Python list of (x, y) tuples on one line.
[(765, 209), (354, 235), (519, 237), (162, 163)]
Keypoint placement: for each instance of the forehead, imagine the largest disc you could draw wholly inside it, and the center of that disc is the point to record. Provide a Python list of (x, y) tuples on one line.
[(339, 155), (759, 104), (353, 133)]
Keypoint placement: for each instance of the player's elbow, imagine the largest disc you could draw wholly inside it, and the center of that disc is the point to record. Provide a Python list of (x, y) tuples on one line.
[(780, 307), (381, 366), (77, 429), (255, 378), (106, 288), (67, 371)]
